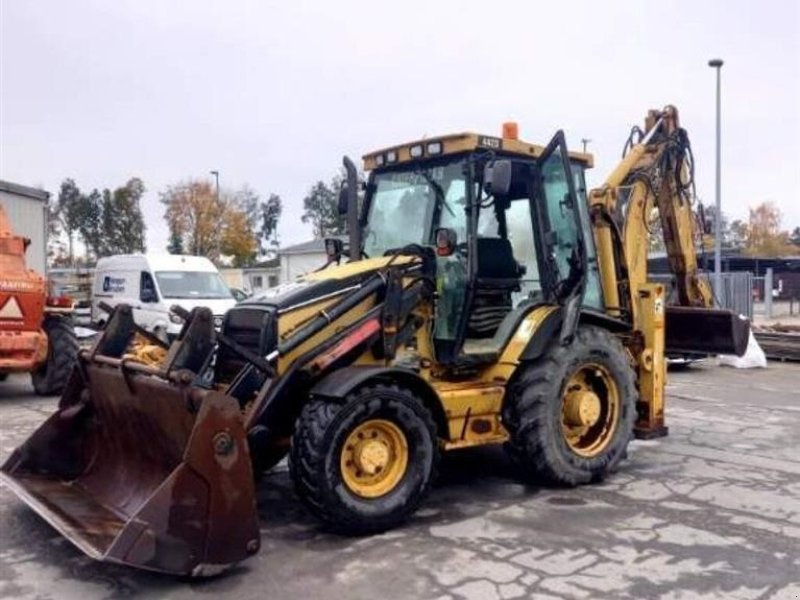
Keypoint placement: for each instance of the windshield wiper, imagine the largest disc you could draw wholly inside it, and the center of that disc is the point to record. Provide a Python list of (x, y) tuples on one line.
[(437, 189)]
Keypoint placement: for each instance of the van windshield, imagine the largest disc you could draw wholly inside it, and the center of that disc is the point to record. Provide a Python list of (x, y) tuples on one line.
[(191, 284)]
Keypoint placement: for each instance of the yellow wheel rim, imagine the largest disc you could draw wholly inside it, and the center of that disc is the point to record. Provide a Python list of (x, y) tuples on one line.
[(374, 458), (590, 408)]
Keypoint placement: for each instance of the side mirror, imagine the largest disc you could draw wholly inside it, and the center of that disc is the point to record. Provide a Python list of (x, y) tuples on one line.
[(333, 249), (344, 199), (446, 240), (497, 178)]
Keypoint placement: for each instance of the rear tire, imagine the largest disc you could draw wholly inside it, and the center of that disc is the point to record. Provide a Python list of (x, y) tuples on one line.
[(364, 466), (543, 439), (62, 351)]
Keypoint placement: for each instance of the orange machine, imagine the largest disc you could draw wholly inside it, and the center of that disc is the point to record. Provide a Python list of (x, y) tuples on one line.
[(36, 334)]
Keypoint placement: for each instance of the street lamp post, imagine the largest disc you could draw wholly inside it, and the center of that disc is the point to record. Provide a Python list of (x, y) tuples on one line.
[(716, 63), (216, 178)]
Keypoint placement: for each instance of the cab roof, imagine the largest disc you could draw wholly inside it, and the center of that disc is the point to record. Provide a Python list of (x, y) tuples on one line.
[(457, 143)]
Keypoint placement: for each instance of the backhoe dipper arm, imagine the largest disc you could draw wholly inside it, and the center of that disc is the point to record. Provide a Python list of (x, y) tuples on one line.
[(655, 173)]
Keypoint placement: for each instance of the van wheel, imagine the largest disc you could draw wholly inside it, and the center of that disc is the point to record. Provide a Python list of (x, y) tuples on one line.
[(62, 351)]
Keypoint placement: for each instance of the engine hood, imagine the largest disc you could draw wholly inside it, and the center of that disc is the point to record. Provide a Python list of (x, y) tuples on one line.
[(218, 306), (332, 280)]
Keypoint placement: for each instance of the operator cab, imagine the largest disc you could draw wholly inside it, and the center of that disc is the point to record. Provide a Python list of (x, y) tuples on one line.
[(510, 224)]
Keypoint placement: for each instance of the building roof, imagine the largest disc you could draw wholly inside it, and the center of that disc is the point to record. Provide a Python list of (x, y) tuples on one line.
[(310, 247), (24, 190), (272, 263)]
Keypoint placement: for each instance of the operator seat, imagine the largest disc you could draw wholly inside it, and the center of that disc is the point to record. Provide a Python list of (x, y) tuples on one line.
[(498, 276)]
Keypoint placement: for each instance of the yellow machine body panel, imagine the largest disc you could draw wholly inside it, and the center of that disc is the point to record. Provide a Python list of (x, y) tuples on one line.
[(473, 407)]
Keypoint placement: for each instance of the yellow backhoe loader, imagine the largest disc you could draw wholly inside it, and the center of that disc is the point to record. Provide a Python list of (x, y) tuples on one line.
[(483, 297)]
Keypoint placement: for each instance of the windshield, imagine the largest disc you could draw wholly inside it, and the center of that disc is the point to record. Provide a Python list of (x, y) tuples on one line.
[(408, 205), (191, 284)]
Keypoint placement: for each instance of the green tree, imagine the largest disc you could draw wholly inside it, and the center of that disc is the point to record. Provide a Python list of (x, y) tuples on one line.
[(247, 200), (321, 210), (68, 215), (111, 222), (271, 210), (737, 234), (710, 214), (175, 244), (90, 209), (126, 233), (795, 236)]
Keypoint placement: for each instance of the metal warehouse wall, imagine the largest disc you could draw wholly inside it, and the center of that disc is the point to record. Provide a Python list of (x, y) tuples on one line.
[(27, 209)]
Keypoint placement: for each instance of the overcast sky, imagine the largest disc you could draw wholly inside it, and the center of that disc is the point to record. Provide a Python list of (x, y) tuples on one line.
[(272, 94)]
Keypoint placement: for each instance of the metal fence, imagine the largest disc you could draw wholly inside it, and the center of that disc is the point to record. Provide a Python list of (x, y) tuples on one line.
[(776, 295), (736, 291)]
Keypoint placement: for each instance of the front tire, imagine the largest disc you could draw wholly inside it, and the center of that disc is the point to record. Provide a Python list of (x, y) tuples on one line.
[(62, 352), (364, 466), (570, 414)]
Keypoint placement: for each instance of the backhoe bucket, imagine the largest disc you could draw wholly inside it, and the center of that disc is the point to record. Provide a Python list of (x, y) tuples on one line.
[(141, 468), (705, 331)]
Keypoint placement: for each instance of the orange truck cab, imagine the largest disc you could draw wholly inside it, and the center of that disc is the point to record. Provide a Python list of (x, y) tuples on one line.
[(30, 322)]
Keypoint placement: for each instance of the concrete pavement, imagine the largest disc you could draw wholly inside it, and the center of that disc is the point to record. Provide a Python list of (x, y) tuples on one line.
[(712, 511)]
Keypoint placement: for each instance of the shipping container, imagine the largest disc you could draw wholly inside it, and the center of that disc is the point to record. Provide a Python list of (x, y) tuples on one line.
[(27, 209)]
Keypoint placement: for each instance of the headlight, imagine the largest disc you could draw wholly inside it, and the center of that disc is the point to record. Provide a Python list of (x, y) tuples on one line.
[(434, 148), (175, 318)]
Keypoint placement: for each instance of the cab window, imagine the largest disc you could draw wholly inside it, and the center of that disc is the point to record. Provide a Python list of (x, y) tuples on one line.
[(147, 288), (593, 294), (519, 224)]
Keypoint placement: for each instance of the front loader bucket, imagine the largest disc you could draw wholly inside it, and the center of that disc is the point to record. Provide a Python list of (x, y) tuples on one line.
[(143, 470)]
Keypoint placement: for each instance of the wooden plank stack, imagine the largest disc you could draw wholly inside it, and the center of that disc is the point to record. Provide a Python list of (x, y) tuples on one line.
[(779, 342)]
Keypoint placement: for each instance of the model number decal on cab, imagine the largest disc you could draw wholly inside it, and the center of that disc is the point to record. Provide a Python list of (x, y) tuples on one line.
[(490, 142)]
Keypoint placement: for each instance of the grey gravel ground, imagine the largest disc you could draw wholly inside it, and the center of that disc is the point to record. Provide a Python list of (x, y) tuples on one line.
[(712, 511)]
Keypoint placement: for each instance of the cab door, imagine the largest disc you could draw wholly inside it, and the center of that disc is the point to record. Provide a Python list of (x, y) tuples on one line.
[(561, 236)]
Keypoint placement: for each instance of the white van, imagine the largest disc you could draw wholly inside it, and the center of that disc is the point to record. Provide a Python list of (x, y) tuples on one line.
[(152, 283)]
